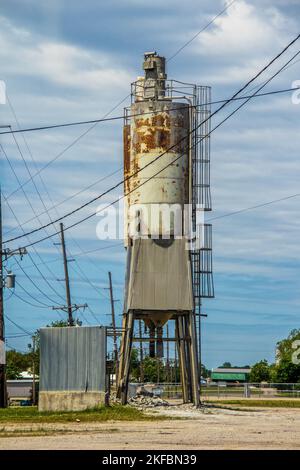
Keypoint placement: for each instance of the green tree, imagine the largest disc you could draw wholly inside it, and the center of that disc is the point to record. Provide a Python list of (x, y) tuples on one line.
[(286, 370), (226, 365), (260, 372), (154, 370), (205, 373), (16, 362)]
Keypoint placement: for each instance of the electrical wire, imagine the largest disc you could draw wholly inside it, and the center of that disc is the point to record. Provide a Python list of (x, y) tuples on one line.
[(84, 277), (54, 206), (117, 105), (12, 348), (40, 302), (130, 116), (100, 180), (201, 30), (32, 260), (257, 206), (42, 181), (18, 335), (74, 142), (36, 189), (159, 156), (18, 326), (80, 254)]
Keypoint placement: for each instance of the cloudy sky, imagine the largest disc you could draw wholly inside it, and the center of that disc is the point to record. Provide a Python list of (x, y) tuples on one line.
[(70, 61)]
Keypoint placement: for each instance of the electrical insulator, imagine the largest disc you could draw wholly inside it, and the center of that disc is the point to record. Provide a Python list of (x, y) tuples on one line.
[(10, 280)]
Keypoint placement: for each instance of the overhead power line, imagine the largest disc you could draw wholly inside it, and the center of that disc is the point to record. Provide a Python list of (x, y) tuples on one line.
[(116, 118), (32, 260), (176, 159), (201, 30), (257, 206), (82, 253), (170, 148), (38, 192), (54, 206), (84, 133), (18, 326)]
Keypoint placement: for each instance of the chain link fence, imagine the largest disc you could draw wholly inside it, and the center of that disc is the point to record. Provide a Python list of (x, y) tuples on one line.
[(229, 390)]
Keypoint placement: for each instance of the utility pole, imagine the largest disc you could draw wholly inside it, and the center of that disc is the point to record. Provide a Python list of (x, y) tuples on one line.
[(113, 321), (67, 282), (8, 281), (3, 399), (69, 308), (32, 347)]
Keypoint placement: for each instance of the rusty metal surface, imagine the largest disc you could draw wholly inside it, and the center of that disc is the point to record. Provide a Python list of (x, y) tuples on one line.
[(166, 179)]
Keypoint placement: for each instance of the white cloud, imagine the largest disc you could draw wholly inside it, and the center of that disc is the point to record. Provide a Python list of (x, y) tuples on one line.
[(62, 64), (240, 41), (246, 30)]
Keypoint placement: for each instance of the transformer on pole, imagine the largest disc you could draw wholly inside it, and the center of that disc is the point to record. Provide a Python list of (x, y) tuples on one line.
[(167, 190)]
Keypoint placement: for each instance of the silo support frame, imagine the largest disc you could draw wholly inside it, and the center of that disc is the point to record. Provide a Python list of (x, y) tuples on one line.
[(185, 333)]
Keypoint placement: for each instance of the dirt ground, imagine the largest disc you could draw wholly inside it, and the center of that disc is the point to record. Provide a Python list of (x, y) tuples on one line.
[(213, 428)]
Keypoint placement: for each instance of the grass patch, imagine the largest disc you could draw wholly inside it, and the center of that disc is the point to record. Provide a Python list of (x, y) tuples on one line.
[(259, 403), (45, 432), (99, 414)]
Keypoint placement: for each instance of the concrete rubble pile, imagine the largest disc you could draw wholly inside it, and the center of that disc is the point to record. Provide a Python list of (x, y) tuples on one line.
[(142, 401)]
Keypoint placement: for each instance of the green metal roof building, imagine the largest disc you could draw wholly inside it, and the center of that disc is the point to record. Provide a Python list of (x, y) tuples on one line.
[(232, 374)]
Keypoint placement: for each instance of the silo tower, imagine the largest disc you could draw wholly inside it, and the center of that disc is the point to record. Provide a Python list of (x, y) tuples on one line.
[(167, 190)]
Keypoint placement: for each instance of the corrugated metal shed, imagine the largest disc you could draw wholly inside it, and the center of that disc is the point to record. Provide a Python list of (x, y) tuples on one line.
[(73, 359)]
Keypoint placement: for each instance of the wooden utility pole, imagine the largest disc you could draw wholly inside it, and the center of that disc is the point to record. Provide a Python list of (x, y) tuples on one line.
[(33, 371), (10, 283), (67, 282), (69, 308), (113, 322), (3, 395)]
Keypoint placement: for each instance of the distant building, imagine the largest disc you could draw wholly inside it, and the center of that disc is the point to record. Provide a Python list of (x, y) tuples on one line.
[(19, 390), (230, 374)]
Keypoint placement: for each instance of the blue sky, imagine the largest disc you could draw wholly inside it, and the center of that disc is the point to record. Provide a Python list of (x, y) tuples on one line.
[(65, 61)]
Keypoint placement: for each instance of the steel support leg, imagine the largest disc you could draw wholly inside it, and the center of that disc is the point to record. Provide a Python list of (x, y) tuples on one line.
[(127, 356), (193, 359), (121, 356), (182, 358)]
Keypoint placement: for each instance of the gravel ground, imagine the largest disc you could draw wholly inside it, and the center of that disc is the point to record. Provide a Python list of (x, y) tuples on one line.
[(211, 428)]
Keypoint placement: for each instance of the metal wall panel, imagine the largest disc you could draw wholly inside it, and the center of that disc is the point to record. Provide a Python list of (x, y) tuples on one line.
[(159, 277), (73, 358)]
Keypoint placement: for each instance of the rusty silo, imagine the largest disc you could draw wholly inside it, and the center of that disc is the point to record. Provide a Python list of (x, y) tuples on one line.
[(166, 171)]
